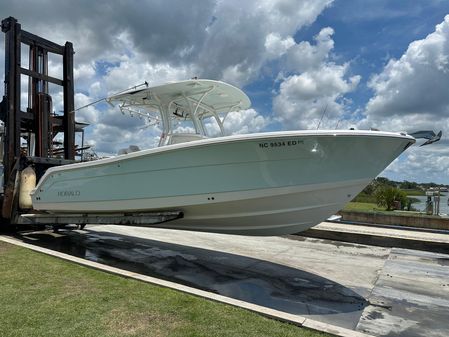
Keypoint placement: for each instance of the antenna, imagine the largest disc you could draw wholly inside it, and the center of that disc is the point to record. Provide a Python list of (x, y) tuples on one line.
[(338, 122), (324, 112), (117, 93)]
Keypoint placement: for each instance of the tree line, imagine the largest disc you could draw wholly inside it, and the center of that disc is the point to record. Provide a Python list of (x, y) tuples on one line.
[(391, 194), (403, 185)]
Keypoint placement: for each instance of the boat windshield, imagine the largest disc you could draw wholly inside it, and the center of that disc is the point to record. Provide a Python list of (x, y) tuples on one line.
[(187, 110)]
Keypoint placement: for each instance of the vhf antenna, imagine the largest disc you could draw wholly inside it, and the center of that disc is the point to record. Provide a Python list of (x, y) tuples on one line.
[(324, 112)]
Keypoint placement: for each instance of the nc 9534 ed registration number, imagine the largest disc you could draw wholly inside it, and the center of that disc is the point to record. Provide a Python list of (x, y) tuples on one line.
[(280, 143)]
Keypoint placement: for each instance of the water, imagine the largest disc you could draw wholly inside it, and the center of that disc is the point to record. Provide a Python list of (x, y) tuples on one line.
[(421, 205)]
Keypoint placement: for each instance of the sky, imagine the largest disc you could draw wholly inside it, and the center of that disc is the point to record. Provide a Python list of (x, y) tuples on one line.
[(365, 63)]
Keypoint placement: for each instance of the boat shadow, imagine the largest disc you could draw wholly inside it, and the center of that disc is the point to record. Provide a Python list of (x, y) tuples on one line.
[(245, 278)]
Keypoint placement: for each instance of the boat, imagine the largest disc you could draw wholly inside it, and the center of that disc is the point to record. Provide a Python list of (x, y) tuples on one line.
[(268, 183)]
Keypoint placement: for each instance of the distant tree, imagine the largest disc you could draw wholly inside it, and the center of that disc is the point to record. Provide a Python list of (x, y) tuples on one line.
[(370, 188), (389, 196), (428, 185), (408, 185), (385, 181)]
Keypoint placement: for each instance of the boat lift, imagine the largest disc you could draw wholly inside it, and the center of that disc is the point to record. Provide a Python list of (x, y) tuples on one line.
[(124, 219), (37, 127)]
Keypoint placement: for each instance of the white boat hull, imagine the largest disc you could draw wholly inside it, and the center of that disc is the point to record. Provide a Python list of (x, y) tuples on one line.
[(272, 212), (260, 184)]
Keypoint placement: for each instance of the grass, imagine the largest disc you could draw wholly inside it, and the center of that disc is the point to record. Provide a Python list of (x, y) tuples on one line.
[(373, 208), (362, 207), (43, 296), (371, 199), (414, 192)]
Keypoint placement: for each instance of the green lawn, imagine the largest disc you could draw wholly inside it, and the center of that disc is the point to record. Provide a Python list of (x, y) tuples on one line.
[(362, 206), (414, 192), (43, 296), (370, 207)]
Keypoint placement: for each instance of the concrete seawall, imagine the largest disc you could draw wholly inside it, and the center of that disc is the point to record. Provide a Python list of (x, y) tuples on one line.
[(420, 221)]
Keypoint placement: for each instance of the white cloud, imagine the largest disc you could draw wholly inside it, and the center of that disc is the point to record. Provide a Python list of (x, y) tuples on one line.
[(326, 81), (410, 94), (412, 90), (84, 74), (305, 56), (244, 34), (135, 70), (276, 46), (86, 115), (245, 121), (430, 162), (317, 88)]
